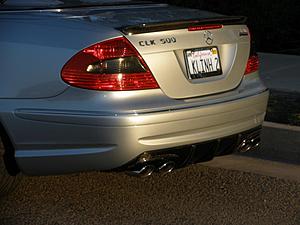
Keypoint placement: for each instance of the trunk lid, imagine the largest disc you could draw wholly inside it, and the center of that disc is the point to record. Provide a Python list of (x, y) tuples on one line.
[(178, 75), (162, 36)]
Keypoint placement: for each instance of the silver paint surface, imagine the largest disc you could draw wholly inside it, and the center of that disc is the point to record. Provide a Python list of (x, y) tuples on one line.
[(56, 128)]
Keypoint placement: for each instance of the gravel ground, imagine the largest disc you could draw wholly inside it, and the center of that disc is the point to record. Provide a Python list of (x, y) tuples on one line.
[(193, 195)]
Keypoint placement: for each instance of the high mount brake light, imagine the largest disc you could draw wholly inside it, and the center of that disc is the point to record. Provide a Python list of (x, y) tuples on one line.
[(112, 65), (205, 27)]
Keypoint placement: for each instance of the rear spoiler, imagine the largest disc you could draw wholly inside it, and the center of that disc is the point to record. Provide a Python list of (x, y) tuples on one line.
[(182, 24)]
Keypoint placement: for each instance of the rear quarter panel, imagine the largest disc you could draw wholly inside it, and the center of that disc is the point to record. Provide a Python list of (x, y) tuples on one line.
[(35, 47)]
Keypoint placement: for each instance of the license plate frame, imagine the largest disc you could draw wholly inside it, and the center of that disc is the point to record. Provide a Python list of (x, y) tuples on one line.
[(199, 68)]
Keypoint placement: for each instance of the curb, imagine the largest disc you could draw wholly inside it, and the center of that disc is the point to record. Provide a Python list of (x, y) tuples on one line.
[(284, 107), (281, 126), (258, 166), (280, 142)]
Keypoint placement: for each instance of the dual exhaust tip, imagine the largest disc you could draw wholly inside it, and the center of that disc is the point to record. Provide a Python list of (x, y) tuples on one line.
[(149, 169), (148, 164), (250, 143)]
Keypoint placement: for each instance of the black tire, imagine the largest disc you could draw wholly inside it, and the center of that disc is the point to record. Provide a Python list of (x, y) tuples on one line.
[(7, 182)]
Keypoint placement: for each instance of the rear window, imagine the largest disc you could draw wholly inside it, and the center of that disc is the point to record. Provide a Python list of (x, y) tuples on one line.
[(51, 4)]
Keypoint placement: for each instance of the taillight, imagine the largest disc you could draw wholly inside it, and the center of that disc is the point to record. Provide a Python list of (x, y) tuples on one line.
[(253, 60), (252, 64), (111, 65)]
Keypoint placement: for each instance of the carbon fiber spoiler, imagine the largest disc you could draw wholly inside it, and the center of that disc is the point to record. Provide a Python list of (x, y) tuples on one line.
[(182, 24)]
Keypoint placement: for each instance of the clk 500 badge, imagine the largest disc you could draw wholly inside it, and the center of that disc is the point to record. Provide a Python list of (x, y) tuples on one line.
[(162, 41), (147, 43)]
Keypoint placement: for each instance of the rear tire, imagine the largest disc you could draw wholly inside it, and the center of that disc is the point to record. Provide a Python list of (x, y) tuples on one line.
[(7, 182)]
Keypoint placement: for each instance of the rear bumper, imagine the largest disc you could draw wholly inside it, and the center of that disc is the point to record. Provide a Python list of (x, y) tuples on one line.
[(182, 156), (69, 142)]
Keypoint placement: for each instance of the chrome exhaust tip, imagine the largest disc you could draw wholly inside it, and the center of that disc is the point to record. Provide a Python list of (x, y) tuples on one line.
[(145, 171), (244, 146), (249, 145), (167, 167), (249, 141)]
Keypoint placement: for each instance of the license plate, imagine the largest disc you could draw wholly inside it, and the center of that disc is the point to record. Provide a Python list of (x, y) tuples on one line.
[(203, 62)]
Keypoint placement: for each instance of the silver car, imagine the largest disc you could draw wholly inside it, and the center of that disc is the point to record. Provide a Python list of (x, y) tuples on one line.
[(123, 85)]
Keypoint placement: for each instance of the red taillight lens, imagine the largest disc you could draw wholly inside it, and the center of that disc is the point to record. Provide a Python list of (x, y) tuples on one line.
[(205, 27), (253, 60), (252, 64), (112, 65)]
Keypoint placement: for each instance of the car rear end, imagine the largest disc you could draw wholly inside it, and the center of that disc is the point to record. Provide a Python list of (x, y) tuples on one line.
[(167, 87)]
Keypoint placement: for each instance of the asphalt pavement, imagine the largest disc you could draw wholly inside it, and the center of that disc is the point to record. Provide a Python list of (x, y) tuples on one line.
[(193, 195), (280, 72)]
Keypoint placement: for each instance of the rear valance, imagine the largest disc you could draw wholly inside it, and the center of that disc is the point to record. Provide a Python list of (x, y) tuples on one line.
[(182, 24)]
